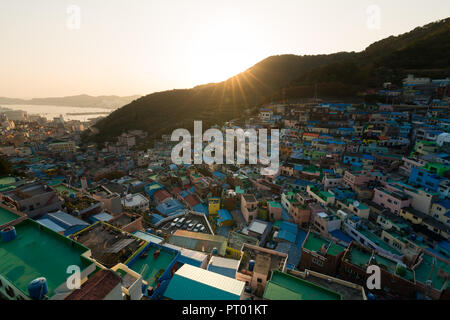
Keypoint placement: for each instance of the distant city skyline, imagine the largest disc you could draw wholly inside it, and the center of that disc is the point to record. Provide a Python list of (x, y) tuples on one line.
[(62, 48)]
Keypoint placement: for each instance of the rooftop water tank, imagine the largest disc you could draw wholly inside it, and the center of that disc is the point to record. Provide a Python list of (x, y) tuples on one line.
[(251, 265), (215, 251), (38, 288), (8, 234)]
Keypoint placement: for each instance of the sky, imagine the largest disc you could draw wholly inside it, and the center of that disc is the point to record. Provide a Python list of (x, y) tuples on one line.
[(54, 48)]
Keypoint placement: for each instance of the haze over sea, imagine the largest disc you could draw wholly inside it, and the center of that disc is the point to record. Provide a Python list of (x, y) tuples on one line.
[(50, 112)]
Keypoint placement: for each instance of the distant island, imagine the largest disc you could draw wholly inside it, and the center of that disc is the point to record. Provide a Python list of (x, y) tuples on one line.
[(81, 101)]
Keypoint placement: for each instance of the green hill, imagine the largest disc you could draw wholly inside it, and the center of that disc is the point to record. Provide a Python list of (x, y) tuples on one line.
[(425, 50)]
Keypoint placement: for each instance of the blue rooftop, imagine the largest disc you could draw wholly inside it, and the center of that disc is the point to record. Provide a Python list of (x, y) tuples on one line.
[(101, 217), (445, 204), (224, 215), (170, 207), (338, 234)]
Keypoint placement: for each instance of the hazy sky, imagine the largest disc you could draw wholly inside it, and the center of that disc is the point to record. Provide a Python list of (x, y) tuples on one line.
[(127, 47)]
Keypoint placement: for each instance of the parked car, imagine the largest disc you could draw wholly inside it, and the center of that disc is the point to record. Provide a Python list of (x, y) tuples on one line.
[(190, 227), (180, 222)]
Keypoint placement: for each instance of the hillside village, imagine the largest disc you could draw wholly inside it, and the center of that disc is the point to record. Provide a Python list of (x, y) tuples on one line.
[(358, 185)]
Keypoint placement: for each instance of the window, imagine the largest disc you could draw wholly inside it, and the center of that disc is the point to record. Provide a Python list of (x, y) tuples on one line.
[(317, 261)]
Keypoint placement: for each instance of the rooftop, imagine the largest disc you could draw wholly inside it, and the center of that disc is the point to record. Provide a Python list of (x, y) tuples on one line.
[(282, 286), (97, 287), (358, 256), (315, 242), (109, 246), (192, 283), (7, 216), (152, 266), (348, 291), (39, 252), (393, 267), (429, 268)]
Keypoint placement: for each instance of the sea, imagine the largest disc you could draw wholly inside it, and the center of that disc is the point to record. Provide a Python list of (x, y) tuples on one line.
[(69, 113)]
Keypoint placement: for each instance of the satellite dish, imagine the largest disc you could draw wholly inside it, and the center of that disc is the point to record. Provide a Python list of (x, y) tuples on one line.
[(356, 204)]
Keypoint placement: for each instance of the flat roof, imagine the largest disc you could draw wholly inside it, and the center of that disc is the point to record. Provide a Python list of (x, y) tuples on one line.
[(96, 287), (359, 257), (314, 242), (283, 286), (428, 265), (7, 180), (391, 266), (152, 268), (7, 216), (39, 252), (192, 283), (109, 245)]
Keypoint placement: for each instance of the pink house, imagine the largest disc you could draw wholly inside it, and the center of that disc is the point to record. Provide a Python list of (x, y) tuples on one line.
[(249, 207), (359, 178), (392, 200)]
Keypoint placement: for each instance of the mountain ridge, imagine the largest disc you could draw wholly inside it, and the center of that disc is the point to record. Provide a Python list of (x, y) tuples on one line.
[(339, 75)]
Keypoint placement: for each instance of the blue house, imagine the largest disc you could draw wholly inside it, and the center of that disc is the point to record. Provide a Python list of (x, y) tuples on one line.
[(354, 160), (425, 179)]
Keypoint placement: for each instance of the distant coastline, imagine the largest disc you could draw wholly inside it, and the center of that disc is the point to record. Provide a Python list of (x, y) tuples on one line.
[(80, 101), (53, 111)]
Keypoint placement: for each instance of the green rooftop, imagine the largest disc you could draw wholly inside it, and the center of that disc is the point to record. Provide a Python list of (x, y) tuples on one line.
[(283, 286), (392, 267), (7, 216), (150, 268), (314, 242), (274, 204), (425, 271), (6, 183), (39, 252), (358, 257), (7, 180)]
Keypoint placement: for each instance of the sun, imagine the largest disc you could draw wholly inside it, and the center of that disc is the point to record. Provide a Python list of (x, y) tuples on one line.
[(220, 52)]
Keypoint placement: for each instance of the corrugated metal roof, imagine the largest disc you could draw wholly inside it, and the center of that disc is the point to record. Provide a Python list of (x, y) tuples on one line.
[(192, 283), (224, 263)]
